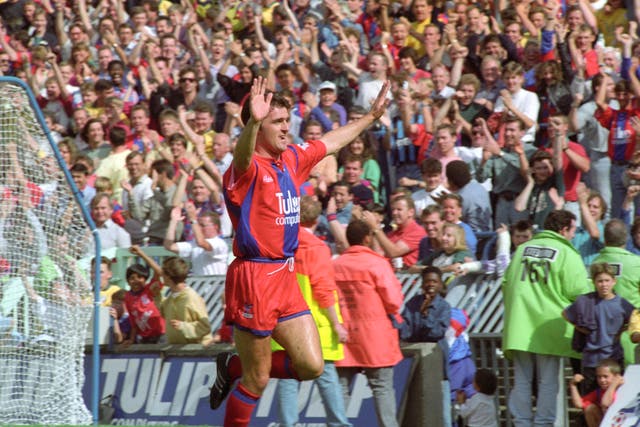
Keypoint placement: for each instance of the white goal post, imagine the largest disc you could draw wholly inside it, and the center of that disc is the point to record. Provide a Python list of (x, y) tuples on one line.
[(46, 299)]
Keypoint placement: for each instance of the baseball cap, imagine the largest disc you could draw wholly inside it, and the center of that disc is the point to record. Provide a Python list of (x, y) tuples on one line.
[(327, 85)]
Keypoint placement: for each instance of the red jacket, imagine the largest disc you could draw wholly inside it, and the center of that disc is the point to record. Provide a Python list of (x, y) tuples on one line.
[(369, 293)]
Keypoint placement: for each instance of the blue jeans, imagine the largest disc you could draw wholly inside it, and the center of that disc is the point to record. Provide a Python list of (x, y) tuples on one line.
[(506, 214), (618, 190), (381, 384), (548, 374), (598, 176), (330, 391)]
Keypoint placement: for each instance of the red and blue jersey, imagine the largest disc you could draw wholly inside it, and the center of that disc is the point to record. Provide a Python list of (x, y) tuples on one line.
[(264, 202), (622, 137)]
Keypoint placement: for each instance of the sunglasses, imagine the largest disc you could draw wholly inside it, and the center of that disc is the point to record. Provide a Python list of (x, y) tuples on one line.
[(187, 79)]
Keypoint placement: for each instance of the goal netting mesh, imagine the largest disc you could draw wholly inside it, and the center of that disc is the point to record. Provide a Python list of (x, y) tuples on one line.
[(45, 295)]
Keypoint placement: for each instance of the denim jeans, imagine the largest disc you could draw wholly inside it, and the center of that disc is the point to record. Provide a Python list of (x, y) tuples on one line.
[(506, 214), (330, 391), (548, 375), (381, 384), (598, 176)]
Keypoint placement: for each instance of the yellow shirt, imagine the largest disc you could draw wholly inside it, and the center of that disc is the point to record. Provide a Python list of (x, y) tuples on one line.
[(634, 322), (105, 296)]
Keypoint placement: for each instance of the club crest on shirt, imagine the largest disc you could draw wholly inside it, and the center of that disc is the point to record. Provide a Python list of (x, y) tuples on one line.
[(304, 146), (248, 311)]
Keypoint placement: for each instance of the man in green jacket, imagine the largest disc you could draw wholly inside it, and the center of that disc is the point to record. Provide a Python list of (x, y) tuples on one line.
[(627, 266), (546, 274)]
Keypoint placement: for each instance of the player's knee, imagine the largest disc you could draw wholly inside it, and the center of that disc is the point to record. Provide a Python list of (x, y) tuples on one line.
[(310, 371), (255, 382)]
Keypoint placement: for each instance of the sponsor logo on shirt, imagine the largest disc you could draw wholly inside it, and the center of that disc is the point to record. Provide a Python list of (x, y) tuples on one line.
[(267, 178), (289, 207)]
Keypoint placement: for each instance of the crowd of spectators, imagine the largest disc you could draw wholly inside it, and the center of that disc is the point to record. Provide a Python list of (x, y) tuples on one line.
[(500, 113), (509, 105)]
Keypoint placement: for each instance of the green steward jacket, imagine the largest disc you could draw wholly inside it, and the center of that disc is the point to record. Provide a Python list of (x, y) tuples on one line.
[(546, 274)]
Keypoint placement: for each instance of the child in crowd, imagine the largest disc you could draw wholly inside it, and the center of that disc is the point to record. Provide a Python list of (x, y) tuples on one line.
[(184, 310), (426, 316), (147, 324), (107, 289), (452, 254), (598, 317), (595, 404), (480, 410), (121, 321)]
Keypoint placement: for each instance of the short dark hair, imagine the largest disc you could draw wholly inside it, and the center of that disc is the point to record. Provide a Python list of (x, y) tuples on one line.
[(408, 52), (451, 196), (539, 156), (163, 166), (117, 136), (458, 173), (139, 269), (113, 63), (557, 220), (522, 225), (431, 269), (132, 155), (357, 231), (103, 84), (486, 381), (178, 137), (431, 166), (79, 168)]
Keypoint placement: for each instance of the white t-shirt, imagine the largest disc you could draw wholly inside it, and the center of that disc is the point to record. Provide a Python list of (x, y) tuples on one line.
[(529, 104), (368, 89), (423, 198), (205, 263)]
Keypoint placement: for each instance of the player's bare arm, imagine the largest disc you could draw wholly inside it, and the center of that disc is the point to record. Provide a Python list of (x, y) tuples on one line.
[(338, 138), (260, 107)]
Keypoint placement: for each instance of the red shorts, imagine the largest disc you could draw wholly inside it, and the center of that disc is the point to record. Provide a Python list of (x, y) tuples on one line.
[(258, 295)]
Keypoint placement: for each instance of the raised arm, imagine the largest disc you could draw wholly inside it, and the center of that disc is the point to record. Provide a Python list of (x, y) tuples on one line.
[(260, 106), (200, 240), (338, 138), (588, 221), (169, 241), (59, 23), (520, 202), (601, 94), (157, 270)]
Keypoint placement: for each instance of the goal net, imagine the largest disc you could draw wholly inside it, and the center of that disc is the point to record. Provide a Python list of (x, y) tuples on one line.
[(45, 297)]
